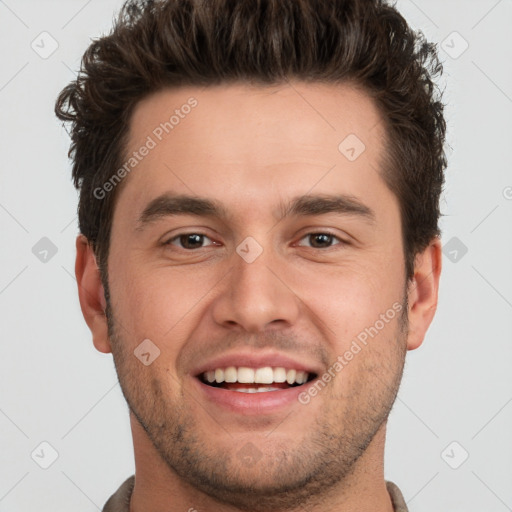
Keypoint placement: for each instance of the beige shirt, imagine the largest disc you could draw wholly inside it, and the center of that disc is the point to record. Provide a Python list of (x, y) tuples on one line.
[(120, 500)]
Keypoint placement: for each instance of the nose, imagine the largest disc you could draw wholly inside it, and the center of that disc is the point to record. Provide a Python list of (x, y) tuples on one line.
[(255, 296)]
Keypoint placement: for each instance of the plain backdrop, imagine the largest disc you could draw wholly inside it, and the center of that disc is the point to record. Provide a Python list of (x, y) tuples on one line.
[(449, 435)]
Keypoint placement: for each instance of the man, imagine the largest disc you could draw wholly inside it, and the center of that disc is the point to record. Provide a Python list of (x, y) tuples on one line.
[(259, 243)]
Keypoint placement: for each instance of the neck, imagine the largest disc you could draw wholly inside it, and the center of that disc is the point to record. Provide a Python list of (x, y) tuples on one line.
[(159, 489)]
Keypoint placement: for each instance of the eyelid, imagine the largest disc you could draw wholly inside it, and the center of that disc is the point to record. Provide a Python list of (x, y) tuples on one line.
[(343, 240), (168, 240), (335, 243)]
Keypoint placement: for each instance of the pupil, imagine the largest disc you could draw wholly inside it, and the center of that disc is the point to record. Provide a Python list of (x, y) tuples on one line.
[(321, 239), (191, 241)]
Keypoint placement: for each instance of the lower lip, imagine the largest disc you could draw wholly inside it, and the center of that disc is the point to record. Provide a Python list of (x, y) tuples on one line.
[(252, 403)]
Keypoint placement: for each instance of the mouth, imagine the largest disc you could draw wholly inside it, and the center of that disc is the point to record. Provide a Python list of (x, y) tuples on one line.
[(266, 379), (254, 384)]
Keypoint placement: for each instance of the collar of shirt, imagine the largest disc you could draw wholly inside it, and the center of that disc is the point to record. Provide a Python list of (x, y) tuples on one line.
[(120, 500)]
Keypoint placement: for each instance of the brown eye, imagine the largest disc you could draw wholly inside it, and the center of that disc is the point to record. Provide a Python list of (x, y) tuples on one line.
[(320, 240), (189, 241)]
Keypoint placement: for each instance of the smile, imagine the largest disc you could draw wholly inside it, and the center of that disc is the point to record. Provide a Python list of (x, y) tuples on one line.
[(244, 379)]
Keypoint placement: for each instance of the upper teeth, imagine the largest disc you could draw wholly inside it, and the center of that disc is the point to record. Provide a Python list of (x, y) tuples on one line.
[(265, 375)]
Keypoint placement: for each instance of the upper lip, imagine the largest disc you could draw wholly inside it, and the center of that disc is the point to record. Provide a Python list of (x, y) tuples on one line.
[(256, 360)]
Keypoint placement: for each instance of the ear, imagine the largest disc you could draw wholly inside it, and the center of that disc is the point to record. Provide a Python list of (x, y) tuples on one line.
[(91, 294), (423, 290)]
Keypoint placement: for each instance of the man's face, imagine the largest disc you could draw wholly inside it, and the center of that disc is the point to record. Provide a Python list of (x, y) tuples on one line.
[(297, 253)]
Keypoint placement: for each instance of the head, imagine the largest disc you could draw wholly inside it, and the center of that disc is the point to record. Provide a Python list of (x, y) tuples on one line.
[(285, 203)]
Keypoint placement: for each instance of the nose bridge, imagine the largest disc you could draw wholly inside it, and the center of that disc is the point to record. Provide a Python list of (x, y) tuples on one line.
[(255, 295)]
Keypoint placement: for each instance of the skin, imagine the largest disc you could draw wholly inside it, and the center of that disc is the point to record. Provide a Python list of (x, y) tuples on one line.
[(252, 149)]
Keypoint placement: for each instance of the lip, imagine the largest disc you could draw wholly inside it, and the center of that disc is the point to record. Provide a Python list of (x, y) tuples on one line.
[(251, 404), (256, 360)]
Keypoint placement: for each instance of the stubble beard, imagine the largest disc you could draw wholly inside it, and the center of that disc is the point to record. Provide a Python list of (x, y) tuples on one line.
[(281, 479)]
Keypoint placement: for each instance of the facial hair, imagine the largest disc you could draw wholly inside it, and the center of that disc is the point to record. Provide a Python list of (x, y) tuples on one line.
[(282, 479)]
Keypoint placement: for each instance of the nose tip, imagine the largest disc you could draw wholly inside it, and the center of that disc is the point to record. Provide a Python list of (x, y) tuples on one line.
[(254, 322)]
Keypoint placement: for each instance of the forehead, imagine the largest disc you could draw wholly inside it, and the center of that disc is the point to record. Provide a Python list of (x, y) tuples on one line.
[(257, 114), (252, 140)]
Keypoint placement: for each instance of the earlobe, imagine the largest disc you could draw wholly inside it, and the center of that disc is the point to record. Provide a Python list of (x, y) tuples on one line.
[(423, 292), (91, 294)]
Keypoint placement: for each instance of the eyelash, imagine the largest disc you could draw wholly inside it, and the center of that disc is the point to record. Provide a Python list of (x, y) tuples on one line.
[(177, 237), (310, 234)]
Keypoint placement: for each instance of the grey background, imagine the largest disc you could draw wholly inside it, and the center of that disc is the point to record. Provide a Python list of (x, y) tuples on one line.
[(56, 388)]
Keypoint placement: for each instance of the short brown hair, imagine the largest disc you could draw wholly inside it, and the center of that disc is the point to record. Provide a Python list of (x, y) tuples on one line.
[(159, 44)]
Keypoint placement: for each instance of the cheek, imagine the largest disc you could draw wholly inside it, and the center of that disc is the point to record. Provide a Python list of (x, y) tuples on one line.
[(158, 303), (352, 297)]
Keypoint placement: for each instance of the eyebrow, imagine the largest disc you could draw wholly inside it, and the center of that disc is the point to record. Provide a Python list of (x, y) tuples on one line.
[(307, 205)]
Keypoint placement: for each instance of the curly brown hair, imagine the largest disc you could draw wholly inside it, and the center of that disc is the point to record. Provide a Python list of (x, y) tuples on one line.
[(157, 44)]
